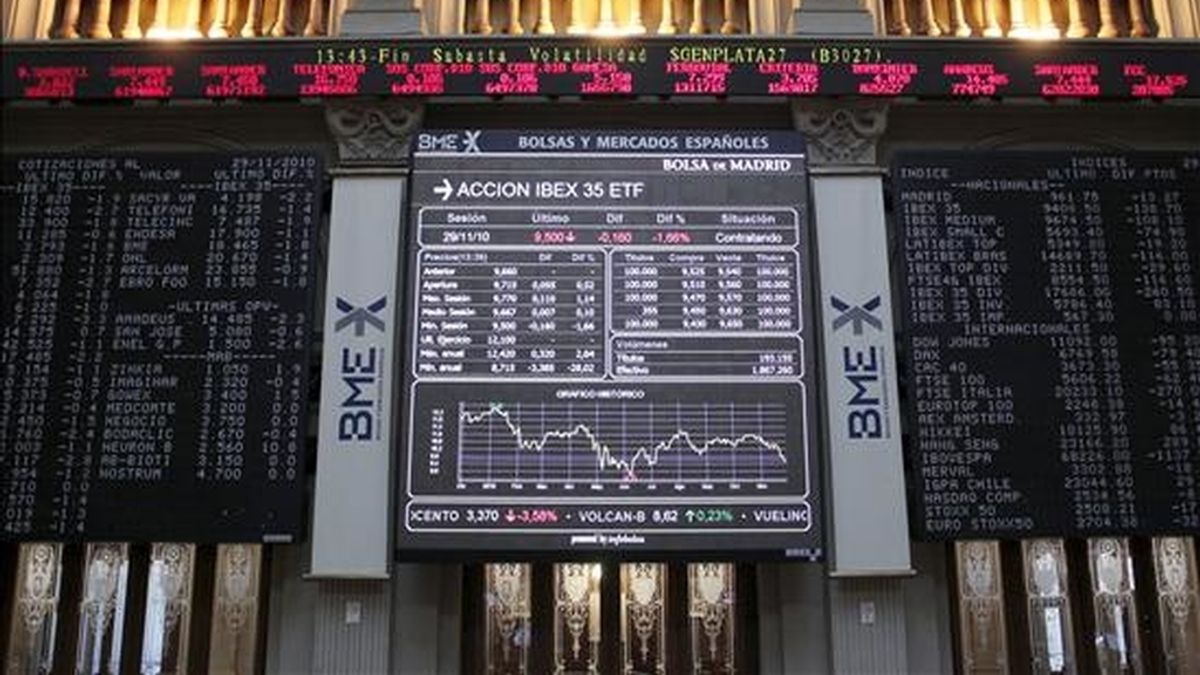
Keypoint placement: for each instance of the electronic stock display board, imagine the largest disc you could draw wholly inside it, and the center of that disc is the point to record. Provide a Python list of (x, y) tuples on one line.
[(574, 66), (1051, 345), (156, 340), (610, 345)]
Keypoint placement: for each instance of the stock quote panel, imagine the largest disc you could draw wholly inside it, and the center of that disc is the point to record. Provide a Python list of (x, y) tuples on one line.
[(609, 344)]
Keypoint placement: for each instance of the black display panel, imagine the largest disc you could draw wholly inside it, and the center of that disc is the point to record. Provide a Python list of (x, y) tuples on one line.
[(1051, 344), (156, 320), (574, 66), (610, 346)]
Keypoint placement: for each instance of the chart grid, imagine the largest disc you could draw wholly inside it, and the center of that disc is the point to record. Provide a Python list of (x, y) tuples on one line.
[(610, 442)]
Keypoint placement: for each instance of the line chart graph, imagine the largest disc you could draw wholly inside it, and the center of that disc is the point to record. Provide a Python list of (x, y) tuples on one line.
[(622, 442)]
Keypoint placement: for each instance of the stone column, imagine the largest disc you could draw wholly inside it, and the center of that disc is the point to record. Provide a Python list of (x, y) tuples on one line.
[(866, 518), (352, 520), (27, 20), (1177, 18), (428, 622), (832, 18), (793, 624), (380, 17)]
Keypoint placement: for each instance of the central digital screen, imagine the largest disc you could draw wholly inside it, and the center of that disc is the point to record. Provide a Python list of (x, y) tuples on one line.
[(609, 345)]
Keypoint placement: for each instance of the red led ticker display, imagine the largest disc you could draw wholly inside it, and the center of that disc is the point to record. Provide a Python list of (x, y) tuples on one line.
[(1076, 80), (1145, 84), (142, 81), (47, 81), (683, 66), (234, 80), (975, 79)]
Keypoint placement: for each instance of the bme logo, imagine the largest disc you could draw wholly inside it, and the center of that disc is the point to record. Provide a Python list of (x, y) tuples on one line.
[(450, 141), (360, 317), (360, 370), (862, 368)]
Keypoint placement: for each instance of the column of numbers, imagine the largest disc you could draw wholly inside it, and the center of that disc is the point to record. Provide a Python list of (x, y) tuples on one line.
[(290, 241), (1082, 437), (1176, 382), (232, 400), (79, 437), (280, 440), (27, 365)]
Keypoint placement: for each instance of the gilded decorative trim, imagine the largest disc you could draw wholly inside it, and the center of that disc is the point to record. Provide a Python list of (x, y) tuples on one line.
[(39, 594)]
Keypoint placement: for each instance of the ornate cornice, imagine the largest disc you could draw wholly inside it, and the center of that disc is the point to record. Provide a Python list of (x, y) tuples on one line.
[(374, 133), (841, 133)]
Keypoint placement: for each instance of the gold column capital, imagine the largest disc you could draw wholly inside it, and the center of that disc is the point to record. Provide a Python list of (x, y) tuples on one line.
[(374, 133)]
